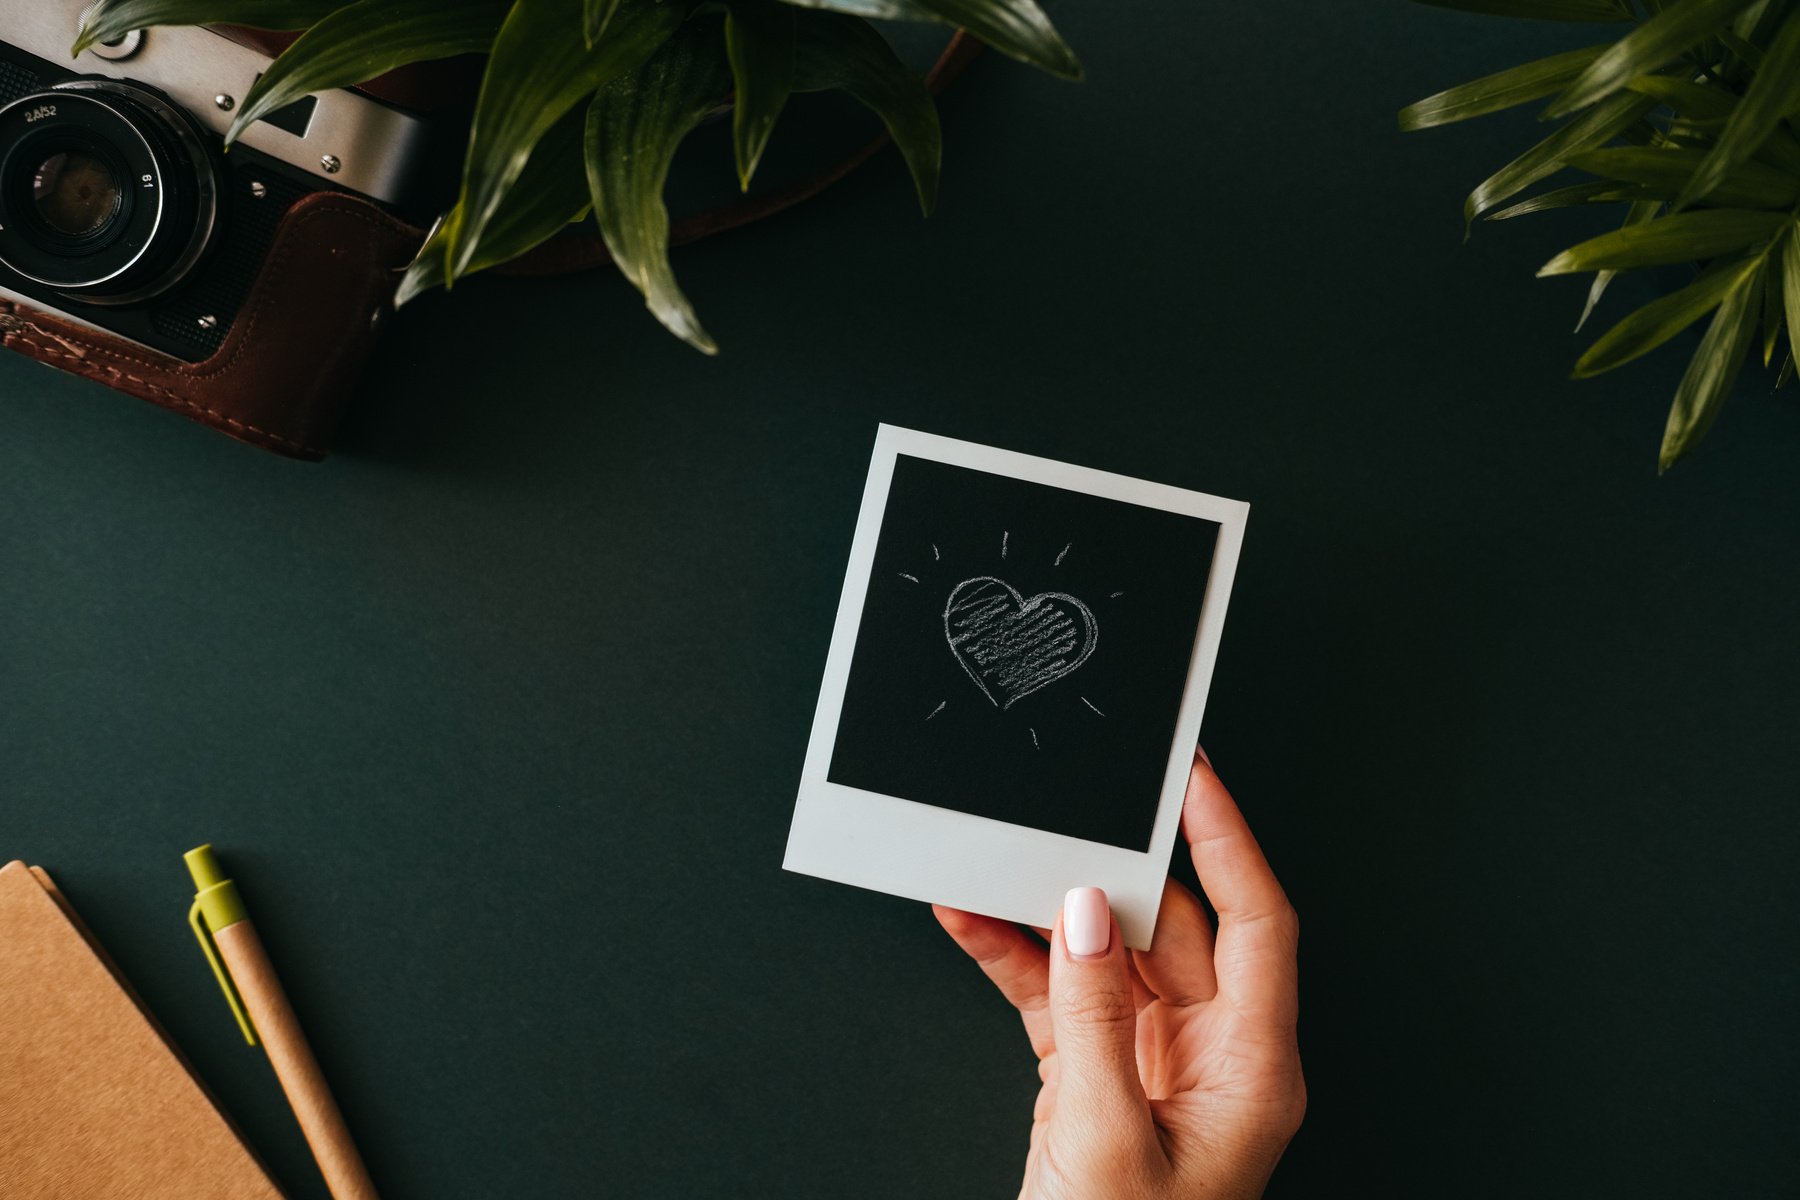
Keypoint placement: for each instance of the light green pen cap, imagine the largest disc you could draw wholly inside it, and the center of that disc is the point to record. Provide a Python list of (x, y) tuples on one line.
[(217, 905)]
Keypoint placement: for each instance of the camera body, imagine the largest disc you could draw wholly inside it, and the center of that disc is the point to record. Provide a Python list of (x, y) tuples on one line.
[(121, 211)]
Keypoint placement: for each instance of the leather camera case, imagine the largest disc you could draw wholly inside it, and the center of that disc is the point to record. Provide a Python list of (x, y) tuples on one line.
[(290, 361), (281, 377)]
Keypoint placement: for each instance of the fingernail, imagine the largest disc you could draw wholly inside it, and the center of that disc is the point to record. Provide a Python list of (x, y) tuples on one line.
[(1087, 922), (1204, 756)]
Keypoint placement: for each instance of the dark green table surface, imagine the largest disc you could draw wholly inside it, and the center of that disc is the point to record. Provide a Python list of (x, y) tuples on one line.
[(498, 714)]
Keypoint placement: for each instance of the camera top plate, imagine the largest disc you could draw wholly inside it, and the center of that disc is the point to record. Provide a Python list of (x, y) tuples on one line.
[(373, 148)]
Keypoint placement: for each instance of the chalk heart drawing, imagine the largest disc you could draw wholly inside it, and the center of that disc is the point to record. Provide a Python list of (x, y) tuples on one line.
[(1011, 646)]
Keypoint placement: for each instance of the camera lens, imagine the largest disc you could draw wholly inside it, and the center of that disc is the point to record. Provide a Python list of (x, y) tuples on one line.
[(107, 190), (76, 192)]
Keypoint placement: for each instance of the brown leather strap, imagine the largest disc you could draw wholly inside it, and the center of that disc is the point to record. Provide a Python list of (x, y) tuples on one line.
[(280, 378), (580, 250)]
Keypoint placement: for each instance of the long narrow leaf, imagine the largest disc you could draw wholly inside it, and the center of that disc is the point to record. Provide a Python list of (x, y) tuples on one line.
[(1600, 191), (1771, 310), (1710, 375), (759, 41), (364, 40), (1593, 128), (594, 16), (550, 192), (1790, 285), (540, 68), (1758, 21), (1667, 174), (1639, 212), (633, 127), (1780, 150), (1661, 319), (1545, 10), (1501, 90), (1747, 53), (1014, 27), (842, 52), (1684, 237), (112, 19), (1697, 101), (1677, 27), (1774, 93)]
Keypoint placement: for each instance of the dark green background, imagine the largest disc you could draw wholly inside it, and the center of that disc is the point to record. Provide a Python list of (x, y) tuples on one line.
[(498, 714)]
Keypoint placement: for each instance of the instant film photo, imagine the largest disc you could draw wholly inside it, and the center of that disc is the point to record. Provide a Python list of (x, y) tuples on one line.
[(1015, 682)]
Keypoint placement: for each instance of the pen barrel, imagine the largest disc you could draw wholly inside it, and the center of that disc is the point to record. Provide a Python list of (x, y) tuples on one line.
[(295, 1066)]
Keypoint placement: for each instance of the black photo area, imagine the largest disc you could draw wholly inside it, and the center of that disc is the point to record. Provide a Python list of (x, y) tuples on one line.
[(1003, 726)]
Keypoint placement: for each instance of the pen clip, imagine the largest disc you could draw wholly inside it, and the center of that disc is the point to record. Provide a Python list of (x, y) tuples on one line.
[(204, 936)]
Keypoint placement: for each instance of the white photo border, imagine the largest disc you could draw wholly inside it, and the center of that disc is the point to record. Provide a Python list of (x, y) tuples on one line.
[(912, 849)]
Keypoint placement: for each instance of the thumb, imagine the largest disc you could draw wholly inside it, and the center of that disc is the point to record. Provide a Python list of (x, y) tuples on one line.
[(1093, 1017)]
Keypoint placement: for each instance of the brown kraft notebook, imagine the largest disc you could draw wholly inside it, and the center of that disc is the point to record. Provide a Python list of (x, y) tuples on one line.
[(95, 1103)]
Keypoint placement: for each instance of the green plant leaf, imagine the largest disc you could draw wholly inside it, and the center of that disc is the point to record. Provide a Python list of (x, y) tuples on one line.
[(1593, 128), (1683, 237), (1714, 369), (634, 125), (1781, 150), (1789, 266), (364, 40), (112, 19), (1697, 101), (539, 69), (1774, 93), (1771, 307), (831, 51), (1758, 21), (594, 16), (1017, 28), (550, 192), (1661, 319), (1748, 54), (1666, 174), (1600, 191), (1699, 133), (1679, 26), (1545, 10), (759, 41), (1639, 212), (1501, 90)]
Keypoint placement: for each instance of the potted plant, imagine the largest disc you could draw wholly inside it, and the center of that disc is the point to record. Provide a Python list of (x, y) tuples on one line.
[(1685, 122), (583, 103)]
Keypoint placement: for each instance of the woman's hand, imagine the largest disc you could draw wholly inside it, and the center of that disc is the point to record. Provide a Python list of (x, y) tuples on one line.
[(1168, 1075)]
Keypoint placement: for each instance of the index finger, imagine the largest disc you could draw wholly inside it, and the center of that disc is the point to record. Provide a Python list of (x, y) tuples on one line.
[(1018, 966), (1255, 953)]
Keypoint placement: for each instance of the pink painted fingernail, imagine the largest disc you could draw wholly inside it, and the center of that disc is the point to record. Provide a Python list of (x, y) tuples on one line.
[(1087, 922), (1204, 757)]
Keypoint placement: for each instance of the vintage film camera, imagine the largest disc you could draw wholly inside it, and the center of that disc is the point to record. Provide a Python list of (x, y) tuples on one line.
[(239, 288)]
